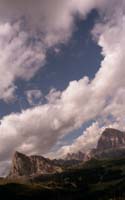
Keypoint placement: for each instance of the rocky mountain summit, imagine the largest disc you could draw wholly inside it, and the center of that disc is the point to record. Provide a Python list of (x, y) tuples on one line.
[(111, 139), (110, 145), (23, 165)]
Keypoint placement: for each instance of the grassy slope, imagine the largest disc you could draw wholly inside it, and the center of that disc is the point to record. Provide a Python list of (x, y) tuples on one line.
[(99, 180)]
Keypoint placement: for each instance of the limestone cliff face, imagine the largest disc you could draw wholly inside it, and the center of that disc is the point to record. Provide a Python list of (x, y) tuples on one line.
[(23, 165), (111, 139), (110, 145)]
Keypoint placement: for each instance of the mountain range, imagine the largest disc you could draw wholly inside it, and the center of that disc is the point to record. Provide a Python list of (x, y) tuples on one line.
[(111, 145), (95, 175)]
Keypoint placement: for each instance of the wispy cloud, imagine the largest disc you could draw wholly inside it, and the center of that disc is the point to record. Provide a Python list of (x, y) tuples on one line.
[(34, 97)]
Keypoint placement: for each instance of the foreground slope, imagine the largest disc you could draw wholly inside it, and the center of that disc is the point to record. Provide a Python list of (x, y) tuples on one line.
[(97, 179)]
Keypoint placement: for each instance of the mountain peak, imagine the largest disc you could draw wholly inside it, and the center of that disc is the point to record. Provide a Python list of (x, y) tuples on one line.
[(24, 166), (110, 139), (112, 131), (110, 144), (17, 154)]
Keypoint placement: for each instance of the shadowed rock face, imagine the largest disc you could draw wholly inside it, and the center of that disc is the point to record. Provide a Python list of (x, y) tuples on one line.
[(111, 139), (23, 165)]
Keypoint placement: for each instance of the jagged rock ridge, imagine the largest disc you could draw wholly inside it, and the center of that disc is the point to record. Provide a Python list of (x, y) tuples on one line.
[(23, 165)]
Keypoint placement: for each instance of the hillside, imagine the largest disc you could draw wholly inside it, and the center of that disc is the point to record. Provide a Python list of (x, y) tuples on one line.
[(102, 177), (99, 180)]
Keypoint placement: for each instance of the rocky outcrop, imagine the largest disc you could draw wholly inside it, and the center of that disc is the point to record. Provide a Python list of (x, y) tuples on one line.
[(23, 165), (75, 156), (111, 139), (111, 144)]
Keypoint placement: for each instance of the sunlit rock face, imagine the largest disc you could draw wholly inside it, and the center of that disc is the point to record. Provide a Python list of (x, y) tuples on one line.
[(23, 165), (110, 144), (111, 139)]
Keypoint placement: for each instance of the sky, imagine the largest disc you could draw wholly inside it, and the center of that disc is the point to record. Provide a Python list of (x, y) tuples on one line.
[(62, 69)]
